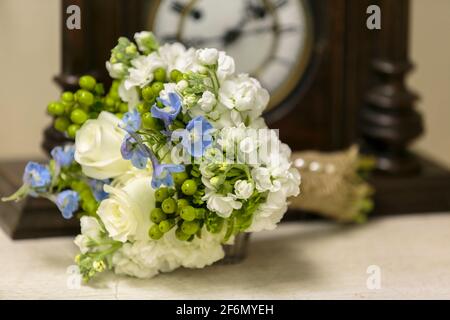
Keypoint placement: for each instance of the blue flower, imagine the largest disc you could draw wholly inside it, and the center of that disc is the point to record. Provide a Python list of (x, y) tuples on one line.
[(64, 156), (67, 202), (162, 174), (132, 121), (37, 176), (170, 111), (134, 151), (196, 138), (97, 188)]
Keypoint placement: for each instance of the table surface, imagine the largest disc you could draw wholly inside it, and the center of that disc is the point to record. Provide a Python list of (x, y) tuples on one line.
[(299, 260)]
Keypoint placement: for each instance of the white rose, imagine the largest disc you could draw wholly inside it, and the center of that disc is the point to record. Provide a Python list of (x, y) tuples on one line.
[(226, 66), (244, 94), (141, 72), (97, 147), (222, 205), (90, 231), (243, 189), (207, 101), (125, 213), (207, 56)]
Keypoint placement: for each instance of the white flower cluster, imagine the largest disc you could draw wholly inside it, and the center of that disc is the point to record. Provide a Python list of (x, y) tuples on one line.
[(232, 104)]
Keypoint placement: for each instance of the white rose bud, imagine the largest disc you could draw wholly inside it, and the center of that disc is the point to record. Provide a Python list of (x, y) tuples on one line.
[(243, 189), (207, 101), (207, 56), (97, 147)]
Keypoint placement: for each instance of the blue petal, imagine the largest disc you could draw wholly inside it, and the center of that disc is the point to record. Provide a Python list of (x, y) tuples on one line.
[(67, 202), (37, 176), (132, 121), (63, 156)]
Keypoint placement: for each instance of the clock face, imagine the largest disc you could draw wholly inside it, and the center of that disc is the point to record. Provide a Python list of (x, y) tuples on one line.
[(269, 39)]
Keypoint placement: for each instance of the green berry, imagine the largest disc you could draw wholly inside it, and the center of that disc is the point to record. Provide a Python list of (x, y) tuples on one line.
[(67, 96), (149, 122), (160, 74), (154, 232), (181, 203), (181, 235), (72, 130), (85, 97), (188, 213), (148, 94), (200, 213), (161, 194), (190, 227), (189, 187), (166, 225), (90, 205), (169, 205), (99, 89), (78, 116), (157, 87), (179, 177), (87, 82), (175, 75), (157, 215), (123, 107), (61, 124), (119, 115), (55, 109), (142, 107)]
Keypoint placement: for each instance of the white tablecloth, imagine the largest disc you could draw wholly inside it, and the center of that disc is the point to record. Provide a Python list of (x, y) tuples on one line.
[(309, 260)]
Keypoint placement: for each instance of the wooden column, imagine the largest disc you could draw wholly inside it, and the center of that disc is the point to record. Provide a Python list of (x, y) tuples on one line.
[(389, 121)]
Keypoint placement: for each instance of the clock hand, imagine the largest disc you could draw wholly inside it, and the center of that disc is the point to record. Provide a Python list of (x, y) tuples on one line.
[(208, 40)]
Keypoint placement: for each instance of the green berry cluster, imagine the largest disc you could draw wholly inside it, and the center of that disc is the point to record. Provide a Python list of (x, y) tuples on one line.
[(74, 108), (149, 95), (179, 208), (87, 200)]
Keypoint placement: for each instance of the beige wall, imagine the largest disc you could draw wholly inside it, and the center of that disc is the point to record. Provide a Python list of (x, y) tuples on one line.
[(430, 50), (29, 57)]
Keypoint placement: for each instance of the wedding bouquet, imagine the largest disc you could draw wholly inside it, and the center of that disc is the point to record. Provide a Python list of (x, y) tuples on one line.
[(167, 166)]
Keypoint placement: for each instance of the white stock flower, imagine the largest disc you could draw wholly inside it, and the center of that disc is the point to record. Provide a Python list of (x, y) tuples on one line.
[(226, 66), (142, 39), (243, 189), (116, 70), (145, 259), (244, 94), (207, 101), (130, 96), (207, 56), (90, 231), (125, 213), (141, 72), (222, 205), (97, 147)]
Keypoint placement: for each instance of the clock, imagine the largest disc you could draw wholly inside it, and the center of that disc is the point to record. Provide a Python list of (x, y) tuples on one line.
[(270, 39)]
